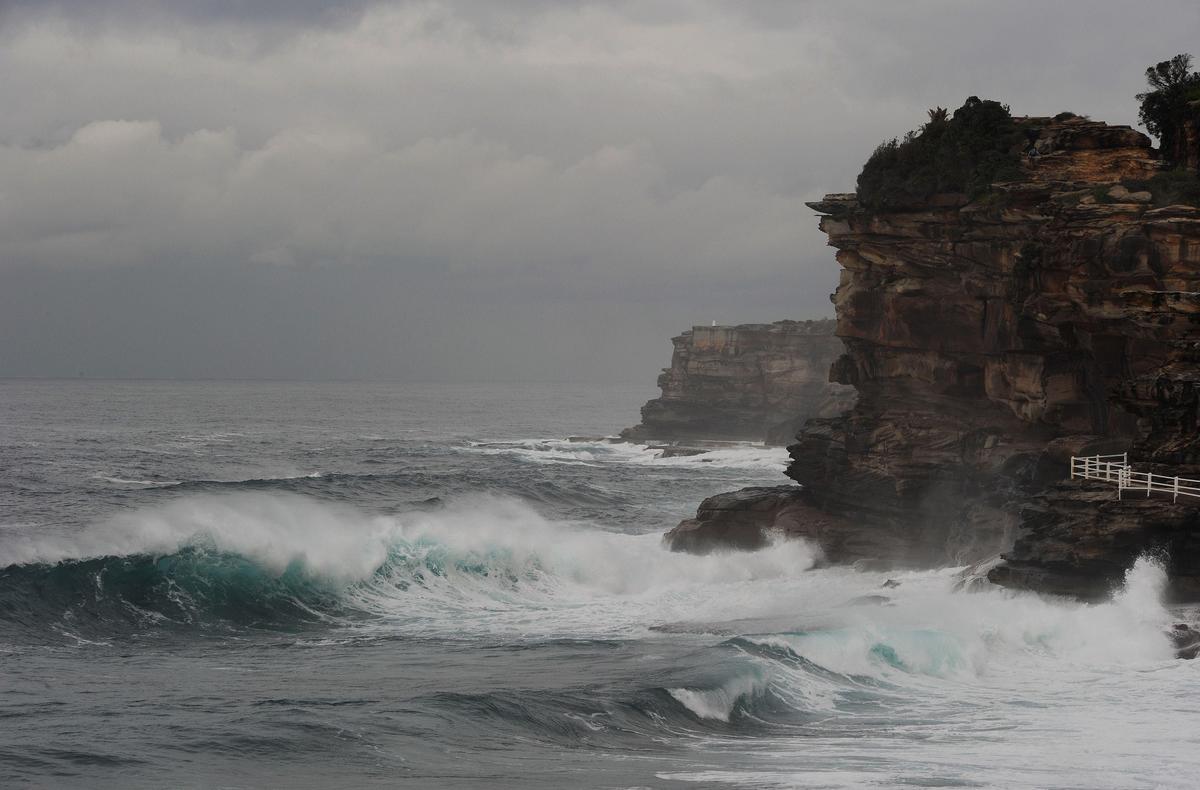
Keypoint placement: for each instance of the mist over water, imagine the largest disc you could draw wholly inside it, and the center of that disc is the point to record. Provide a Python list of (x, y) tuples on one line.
[(331, 585)]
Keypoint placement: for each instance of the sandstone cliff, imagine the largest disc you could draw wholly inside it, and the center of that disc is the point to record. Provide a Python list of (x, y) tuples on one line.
[(989, 340), (754, 382)]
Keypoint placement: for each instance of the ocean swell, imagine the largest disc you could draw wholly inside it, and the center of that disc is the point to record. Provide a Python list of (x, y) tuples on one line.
[(479, 565)]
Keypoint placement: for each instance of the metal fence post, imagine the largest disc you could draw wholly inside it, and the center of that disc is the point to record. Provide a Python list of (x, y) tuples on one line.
[(1099, 467)]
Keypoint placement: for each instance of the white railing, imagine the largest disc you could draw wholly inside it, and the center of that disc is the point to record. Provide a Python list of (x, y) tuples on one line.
[(1099, 467), (1116, 469)]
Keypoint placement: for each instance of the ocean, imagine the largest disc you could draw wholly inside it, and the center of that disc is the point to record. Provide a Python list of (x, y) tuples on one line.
[(308, 585)]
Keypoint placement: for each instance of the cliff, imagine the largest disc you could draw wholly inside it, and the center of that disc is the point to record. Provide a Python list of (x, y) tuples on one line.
[(991, 338), (755, 382)]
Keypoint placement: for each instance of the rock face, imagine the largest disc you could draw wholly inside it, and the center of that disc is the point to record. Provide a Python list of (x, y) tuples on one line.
[(1078, 539), (741, 519), (989, 341), (754, 382), (750, 518)]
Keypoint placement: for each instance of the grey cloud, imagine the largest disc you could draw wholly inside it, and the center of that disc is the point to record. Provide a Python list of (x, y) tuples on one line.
[(544, 173), (124, 12), (118, 193)]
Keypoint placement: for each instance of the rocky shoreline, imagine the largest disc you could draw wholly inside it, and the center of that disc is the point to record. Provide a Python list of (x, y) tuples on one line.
[(989, 340)]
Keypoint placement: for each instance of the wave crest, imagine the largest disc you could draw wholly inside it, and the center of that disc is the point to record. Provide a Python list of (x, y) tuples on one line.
[(479, 565)]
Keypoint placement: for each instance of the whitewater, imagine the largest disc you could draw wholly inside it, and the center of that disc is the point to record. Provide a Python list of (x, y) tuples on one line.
[(313, 585)]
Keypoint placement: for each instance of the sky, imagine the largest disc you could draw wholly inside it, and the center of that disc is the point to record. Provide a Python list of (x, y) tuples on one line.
[(496, 190)]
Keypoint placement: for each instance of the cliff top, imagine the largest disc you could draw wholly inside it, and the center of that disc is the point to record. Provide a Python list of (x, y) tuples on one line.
[(820, 326), (958, 158), (1064, 153)]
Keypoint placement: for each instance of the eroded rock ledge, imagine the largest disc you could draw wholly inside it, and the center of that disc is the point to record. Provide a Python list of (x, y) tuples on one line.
[(750, 518), (988, 341), (751, 382)]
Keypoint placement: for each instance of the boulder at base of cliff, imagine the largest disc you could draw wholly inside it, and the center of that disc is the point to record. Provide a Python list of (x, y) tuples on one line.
[(751, 518), (1186, 641), (741, 520)]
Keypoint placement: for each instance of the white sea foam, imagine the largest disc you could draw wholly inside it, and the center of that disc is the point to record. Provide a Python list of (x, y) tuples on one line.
[(742, 456), (718, 703), (503, 568), (485, 563), (143, 483), (274, 530), (932, 631), (494, 564), (991, 688)]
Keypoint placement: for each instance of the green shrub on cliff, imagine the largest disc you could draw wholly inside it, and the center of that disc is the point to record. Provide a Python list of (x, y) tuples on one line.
[(1175, 89), (1175, 186), (967, 152)]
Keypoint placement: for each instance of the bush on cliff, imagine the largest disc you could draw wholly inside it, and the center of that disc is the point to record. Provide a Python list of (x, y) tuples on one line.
[(1171, 101), (967, 152), (1175, 186)]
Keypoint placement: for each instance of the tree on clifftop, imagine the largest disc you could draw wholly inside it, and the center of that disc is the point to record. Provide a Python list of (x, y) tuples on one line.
[(966, 152), (1171, 100)]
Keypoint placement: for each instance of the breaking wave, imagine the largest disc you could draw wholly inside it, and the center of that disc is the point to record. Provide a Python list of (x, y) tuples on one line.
[(792, 643), (758, 643), (746, 456), (494, 565), (482, 565), (866, 655)]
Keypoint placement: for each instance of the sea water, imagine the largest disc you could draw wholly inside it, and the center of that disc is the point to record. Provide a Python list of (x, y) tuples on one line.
[(213, 584)]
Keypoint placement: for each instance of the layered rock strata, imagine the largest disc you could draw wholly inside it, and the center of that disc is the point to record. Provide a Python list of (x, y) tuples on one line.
[(989, 340), (753, 382)]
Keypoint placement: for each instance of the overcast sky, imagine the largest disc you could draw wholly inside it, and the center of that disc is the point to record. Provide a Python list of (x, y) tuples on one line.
[(489, 190)]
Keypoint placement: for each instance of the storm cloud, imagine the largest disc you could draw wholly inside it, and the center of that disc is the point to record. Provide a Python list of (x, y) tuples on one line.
[(473, 190)]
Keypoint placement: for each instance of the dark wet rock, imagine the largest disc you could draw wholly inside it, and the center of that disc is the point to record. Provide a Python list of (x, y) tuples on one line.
[(891, 584), (869, 600), (1186, 641), (742, 519), (750, 518), (1078, 539)]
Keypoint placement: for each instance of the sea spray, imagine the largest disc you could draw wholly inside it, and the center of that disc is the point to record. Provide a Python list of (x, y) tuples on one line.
[(274, 530), (719, 703), (1141, 597), (494, 565), (931, 629), (482, 564), (747, 456), (503, 568), (933, 642)]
